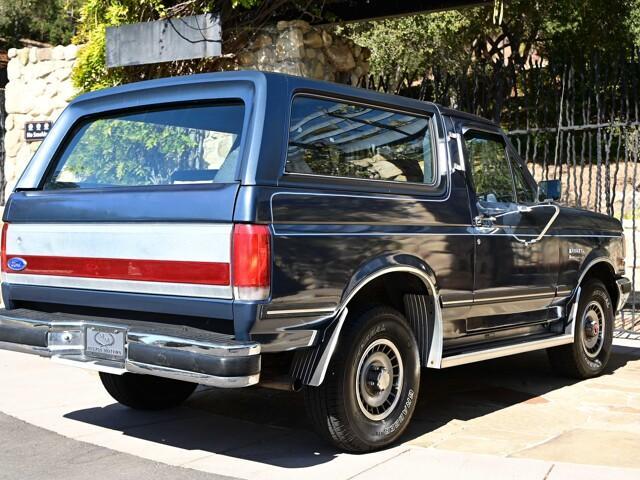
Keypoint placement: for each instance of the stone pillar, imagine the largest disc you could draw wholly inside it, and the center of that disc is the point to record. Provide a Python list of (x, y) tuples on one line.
[(39, 88)]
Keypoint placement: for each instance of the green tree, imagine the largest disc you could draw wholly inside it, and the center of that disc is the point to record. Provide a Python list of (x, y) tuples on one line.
[(124, 152), (48, 21), (242, 19), (455, 39)]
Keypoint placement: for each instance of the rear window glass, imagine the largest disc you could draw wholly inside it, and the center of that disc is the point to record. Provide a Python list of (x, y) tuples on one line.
[(339, 139), (178, 145)]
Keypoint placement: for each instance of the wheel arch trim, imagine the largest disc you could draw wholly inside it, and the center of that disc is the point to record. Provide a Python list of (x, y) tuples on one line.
[(592, 263), (614, 286), (435, 352), (575, 297), (428, 279)]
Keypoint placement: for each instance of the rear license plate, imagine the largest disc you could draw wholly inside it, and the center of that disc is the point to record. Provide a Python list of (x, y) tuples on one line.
[(105, 343)]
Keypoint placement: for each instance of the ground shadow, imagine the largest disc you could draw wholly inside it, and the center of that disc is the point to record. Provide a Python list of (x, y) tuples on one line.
[(271, 426)]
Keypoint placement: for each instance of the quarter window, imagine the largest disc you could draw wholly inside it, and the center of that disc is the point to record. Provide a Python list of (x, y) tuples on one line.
[(490, 167), (347, 140)]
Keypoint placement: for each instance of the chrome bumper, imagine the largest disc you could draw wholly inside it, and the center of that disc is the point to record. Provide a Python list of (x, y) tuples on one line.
[(624, 290), (170, 351)]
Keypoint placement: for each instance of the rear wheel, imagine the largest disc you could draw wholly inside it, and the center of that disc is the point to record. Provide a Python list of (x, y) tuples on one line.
[(371, 386), (146, 392), (589, 353)]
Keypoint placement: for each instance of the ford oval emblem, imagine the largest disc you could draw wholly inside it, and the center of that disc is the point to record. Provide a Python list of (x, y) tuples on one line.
[(17, 264)]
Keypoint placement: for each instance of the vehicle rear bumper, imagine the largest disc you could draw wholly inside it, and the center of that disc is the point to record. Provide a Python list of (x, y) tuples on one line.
[(170, 351), (624, 290)]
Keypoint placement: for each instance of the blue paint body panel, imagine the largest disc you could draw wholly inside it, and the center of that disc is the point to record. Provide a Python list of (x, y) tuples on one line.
[(161, 304), (213, 203), (329, 234)]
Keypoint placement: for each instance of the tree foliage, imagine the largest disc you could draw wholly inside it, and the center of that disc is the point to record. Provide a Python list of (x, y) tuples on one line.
[(121, 152), (242, 19), (50, 21), (90, 71), (453, 40), (545, 28)]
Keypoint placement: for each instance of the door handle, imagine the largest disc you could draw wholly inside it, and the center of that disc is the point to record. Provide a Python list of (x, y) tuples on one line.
[(483, 221)]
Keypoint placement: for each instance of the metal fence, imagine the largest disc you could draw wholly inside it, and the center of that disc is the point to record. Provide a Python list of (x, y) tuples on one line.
[(2, 151), (577, 121)]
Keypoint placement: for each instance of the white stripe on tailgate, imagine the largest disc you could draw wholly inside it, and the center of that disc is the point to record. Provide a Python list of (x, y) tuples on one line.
[(145, 241), (158, 288)]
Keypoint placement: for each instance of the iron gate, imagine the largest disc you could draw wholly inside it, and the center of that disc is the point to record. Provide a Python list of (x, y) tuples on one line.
[(577, 121)]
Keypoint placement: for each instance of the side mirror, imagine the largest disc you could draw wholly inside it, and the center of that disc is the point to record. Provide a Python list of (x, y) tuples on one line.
[(549, 190)]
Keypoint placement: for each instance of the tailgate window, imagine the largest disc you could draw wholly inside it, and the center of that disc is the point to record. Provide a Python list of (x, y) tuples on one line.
[(167, 146)]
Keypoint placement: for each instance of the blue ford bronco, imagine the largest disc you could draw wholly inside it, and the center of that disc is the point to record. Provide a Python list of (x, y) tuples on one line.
[(248, 228)]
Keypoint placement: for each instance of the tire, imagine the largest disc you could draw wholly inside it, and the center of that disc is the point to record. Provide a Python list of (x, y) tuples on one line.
[(146, 392), (589, 353), (357, 415)]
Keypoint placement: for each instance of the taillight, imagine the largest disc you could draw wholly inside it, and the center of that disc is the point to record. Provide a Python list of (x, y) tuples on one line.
[(251, 262), (622, 260), (3, 248)]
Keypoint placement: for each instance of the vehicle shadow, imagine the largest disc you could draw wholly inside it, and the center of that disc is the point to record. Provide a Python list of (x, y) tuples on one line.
[(271, 427)]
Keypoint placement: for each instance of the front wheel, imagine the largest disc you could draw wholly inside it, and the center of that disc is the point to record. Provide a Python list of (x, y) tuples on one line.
[(146, 392), (371, 387), (589, 353)]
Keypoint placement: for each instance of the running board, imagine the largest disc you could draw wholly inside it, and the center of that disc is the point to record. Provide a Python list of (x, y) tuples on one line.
[(504, 351)]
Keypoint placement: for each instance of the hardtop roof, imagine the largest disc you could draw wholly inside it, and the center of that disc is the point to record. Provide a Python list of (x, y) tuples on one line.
[(269, 80)]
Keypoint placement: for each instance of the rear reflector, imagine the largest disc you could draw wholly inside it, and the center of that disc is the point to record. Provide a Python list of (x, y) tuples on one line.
[(251, 262)]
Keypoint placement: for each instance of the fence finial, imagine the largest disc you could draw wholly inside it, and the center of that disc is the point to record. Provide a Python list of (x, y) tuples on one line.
[(498, 11)]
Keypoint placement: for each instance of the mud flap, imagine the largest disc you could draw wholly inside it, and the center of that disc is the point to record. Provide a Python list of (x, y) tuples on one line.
[(310, 365)]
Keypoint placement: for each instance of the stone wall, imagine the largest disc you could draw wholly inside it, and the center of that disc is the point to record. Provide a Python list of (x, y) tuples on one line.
[(39, 88), (298, 48)]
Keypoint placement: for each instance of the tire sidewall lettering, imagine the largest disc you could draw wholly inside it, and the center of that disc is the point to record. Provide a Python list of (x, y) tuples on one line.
[(394, 424), (369, 337), (402, 417)]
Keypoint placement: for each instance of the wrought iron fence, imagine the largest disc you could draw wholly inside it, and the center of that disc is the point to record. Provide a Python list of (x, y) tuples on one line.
[(577, 121), (2, 151)]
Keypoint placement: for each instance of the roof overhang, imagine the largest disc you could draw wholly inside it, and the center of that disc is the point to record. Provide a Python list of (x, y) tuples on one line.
[(362, 10)]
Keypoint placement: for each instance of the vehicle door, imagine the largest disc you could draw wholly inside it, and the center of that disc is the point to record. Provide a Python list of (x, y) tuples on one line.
[(516, 261)]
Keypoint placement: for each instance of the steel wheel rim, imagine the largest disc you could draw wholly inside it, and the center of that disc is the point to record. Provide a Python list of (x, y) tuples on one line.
[(379, 379), (593, 329)]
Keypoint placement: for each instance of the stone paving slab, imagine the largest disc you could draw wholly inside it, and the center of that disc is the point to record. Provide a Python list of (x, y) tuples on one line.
[(511, 416), (607, 448), (454, 465)]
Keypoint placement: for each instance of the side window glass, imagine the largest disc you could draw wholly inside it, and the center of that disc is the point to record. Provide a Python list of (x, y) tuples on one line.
[(347, 140), (524, 191), (489, 167)]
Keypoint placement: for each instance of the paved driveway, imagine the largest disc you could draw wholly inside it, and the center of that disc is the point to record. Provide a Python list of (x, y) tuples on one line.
[(28, 452), (504, 418)]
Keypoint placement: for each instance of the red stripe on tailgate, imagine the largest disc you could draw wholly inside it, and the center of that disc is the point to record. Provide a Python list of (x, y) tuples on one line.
[(170, 271)]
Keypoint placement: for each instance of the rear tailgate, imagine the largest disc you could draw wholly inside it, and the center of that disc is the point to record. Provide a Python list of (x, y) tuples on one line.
[(133, 212), (163, 252)]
